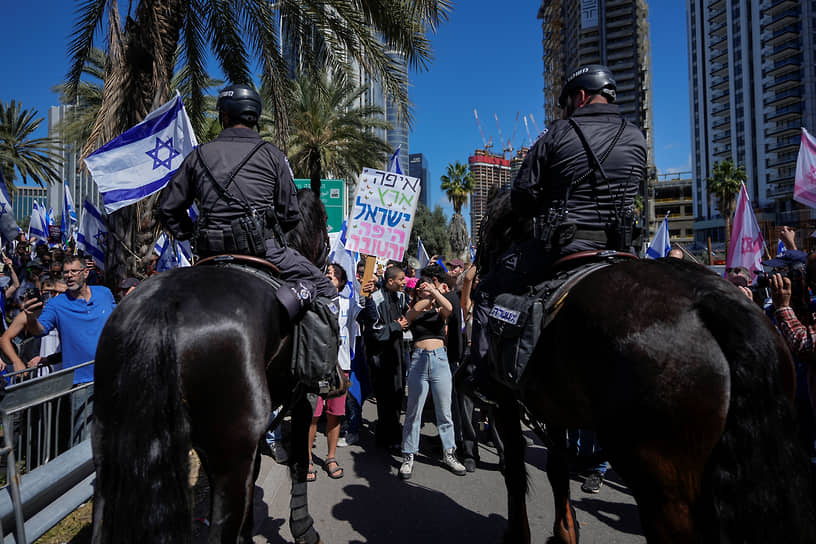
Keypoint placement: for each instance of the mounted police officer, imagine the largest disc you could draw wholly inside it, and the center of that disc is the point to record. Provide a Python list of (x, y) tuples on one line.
[(577, 185), (247, 202)]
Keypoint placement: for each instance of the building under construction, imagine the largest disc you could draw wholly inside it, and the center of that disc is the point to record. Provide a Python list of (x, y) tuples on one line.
[(489, 172)]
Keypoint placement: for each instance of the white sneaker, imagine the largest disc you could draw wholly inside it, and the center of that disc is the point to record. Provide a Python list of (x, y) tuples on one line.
[(452, 463), (407, 467)]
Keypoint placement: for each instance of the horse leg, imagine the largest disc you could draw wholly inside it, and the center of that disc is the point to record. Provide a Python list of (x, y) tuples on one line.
[(232, 479), (565, 528), (666, 492), (249, 522), (301, 523), (515, 471)]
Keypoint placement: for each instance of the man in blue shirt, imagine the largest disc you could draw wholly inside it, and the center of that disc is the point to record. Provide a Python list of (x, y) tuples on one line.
[(79, 315)]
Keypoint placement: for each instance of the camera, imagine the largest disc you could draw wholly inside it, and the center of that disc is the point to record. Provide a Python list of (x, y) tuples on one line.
[(32, 292)]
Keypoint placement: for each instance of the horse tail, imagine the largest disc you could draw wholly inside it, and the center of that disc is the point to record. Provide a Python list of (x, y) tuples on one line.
[(142, 435), (756, 486)]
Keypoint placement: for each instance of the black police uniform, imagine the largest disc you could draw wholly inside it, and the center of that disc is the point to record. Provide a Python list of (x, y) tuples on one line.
[(555, 161), (264, 182)]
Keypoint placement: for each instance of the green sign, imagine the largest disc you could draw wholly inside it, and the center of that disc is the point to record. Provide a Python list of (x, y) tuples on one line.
[(334, 194)]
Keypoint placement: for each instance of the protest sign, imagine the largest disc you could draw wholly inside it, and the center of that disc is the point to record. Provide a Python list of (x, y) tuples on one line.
[(383, 214)]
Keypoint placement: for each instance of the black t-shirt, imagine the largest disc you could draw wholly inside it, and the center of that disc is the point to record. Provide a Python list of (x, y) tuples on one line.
[(428, 325)]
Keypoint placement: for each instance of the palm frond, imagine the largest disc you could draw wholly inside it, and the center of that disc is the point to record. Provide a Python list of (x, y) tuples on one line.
[(89, 20)]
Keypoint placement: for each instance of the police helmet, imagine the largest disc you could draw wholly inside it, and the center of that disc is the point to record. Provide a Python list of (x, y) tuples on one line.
[(593, 78), (240, 102)]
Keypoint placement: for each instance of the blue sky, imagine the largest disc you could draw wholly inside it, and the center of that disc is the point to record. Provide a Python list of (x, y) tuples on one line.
[(485, 58)]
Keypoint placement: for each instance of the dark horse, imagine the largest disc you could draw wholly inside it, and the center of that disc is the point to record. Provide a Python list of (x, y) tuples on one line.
[(688, 387), (196, 356)]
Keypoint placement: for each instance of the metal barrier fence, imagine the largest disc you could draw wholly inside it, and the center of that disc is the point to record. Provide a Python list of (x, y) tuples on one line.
[(47, 476)]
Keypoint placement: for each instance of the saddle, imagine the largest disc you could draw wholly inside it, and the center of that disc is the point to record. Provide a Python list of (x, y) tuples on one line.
[(312, 364), (516, 321)]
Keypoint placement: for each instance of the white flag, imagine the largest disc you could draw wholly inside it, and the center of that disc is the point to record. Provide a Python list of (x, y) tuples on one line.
[(745, 248), (142, 160)]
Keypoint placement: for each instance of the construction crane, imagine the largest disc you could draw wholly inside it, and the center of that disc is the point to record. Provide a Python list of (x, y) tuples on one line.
[(510, 141), (487, 143), (534, 125), (501, 138), (526, 126)]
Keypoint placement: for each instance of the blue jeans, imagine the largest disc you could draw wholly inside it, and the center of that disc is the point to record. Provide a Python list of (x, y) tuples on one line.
[(276, 436), (428, 370)]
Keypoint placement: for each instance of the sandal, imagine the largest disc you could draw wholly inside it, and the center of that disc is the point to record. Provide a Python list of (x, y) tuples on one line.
[(311, 474), (337, 473)]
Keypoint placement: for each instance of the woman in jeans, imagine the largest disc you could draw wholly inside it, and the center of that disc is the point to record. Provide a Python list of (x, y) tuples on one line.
[(429, 369)]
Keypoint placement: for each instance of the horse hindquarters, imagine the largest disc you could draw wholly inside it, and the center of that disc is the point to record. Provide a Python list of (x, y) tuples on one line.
[(141, 435), (756, 486)]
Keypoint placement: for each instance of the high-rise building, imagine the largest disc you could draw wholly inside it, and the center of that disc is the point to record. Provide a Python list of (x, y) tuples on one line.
[(397, 136), (71, 170), (610, 32), (22, 201), (490, 172), (752, 67), (418, 168)]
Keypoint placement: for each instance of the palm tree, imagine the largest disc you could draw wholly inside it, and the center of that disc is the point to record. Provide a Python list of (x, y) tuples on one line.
[(34, 158), (86, 102), (458, 184), (725, 182), (329, 131), (240, 34)]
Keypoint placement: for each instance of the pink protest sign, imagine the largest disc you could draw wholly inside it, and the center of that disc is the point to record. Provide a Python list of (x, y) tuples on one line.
[(383, 214)]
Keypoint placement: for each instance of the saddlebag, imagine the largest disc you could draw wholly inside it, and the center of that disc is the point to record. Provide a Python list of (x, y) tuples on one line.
[(514, 327)]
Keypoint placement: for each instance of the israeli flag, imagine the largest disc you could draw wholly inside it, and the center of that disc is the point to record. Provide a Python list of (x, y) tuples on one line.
[(660, 245), (93, 234), (393, 163), (175, 255), (422, 255), (69, 216), (37, 228), (348, 260), (780, 248), (8, 224), (142, 160)]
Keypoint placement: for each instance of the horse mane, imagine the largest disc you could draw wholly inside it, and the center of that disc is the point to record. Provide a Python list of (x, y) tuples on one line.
[(310, 236), (499, 228)]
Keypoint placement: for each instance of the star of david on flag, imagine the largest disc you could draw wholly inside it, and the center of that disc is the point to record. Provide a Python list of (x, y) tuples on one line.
[(93, 234), (745, 248), (142, 159), (156, 153)]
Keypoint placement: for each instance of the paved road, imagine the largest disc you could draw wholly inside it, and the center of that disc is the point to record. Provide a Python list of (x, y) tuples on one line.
[(370, 504)]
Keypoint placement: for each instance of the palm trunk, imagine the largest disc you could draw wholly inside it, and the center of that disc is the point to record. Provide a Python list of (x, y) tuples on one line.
[(315, 173)]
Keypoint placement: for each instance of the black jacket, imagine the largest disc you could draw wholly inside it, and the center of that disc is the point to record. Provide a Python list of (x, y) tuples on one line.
[(382, 332), (265, 180), (558, 157)]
